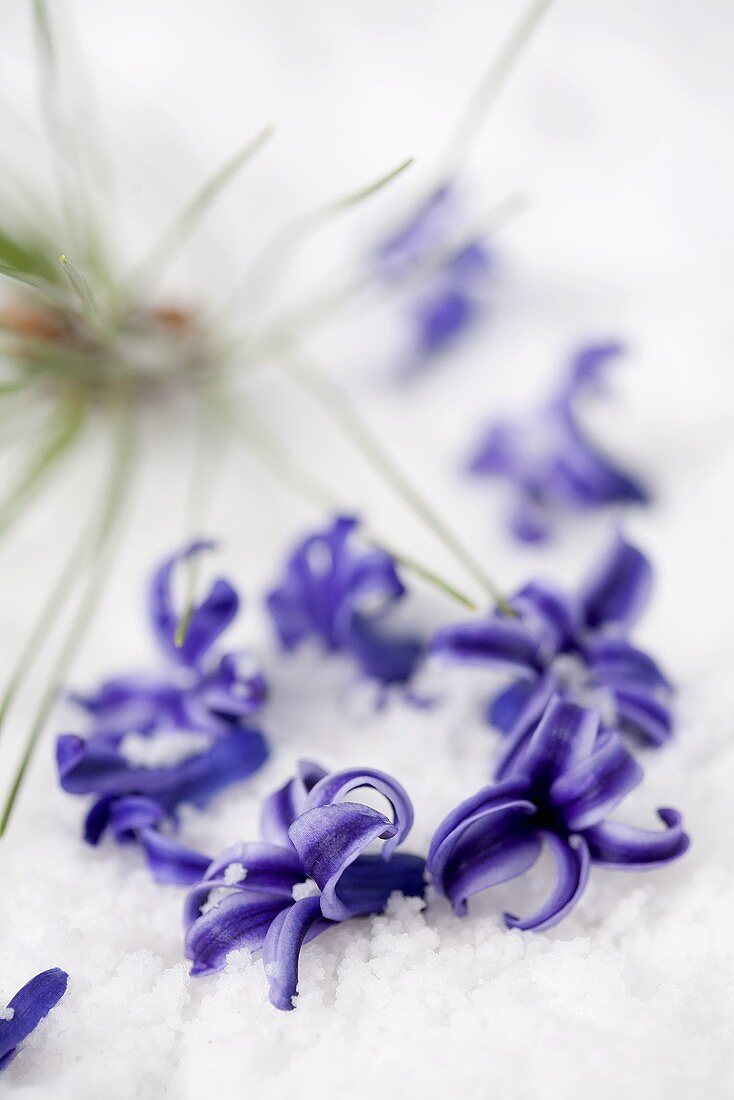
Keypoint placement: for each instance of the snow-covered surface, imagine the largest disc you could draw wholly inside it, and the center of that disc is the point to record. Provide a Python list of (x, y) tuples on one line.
[(617, 124)]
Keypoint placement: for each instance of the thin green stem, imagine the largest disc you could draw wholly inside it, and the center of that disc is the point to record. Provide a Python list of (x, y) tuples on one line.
[(263, 444), (45, 460), (172, 240), (490, 88), (60, 141), (119, 484), (329, 395), (51, 609), (208, 444), (268, 267)]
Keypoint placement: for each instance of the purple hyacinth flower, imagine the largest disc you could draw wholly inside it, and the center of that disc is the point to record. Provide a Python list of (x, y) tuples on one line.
[(575, 646), (341, 595), (442, 285), (549, 463), (26, 1010), (170, 737), (309, 872), (198, 688), (558, 792)]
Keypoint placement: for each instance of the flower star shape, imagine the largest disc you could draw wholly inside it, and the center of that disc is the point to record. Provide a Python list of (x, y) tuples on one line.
[(341, 595), (26, 1010), (547, 460), (558, 792), (443, 283), (162, 740), (575, 646), (310, 871)]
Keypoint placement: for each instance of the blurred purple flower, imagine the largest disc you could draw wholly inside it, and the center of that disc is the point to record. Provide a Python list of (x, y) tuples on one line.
[(443, 283), (308, 873), (341, 595), (558, 791), (550, 465), (26, 1010), (572, 645)]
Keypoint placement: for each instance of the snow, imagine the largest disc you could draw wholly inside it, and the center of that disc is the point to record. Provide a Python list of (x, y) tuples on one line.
[(617, 125)]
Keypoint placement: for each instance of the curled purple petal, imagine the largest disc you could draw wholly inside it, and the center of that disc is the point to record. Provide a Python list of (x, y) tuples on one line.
[(208, 619), (171, 862), (335, 787), (500, 641), (629, 849), (366, 885), (551, 615), (328, 839), (619, 588), (573, 862), (585, 794), (258, 866), (617, 663), (642, 714), (27, 1008), (526, 720), (565, 735), (282, 948), (282, 807), (96, 767), (483, 841), (239, 920)]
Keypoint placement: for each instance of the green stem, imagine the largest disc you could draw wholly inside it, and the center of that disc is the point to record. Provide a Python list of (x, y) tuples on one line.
[(119, 484), (490, 88), (199, 495), (49, 612), (336, 404), (269, 266), (44, 462), (154, 264), (263, 444)]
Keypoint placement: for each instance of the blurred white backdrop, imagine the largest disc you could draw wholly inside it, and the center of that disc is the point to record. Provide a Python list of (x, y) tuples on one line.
[(617, 125)]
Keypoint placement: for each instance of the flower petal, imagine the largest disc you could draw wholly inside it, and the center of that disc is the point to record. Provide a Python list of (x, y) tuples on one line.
[(643, 715), (389, 659), (282, 947), (264, 868), (572, 869), (585, 477), (137, 702), (526, 721), (171, 862), (335, 787), (628, 849), (96, 767), (504, 709), (585, 795), (282, 807), (619, 589), (616, 663), (565, 735), (239, 920), (328, 839), (500, 641), (491, 820), (29, 1006), (366, 884), (208, 619), (549, 613)]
